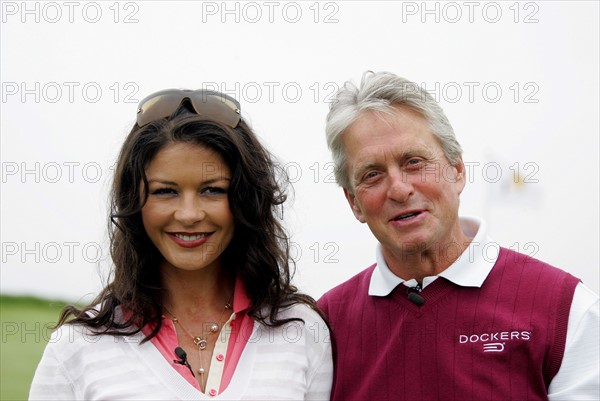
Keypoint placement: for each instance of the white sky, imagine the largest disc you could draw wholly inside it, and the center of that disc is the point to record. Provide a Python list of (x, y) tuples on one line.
[(518, 81)]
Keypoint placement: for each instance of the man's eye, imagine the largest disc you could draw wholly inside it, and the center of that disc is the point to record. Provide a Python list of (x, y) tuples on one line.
[(414, 164)]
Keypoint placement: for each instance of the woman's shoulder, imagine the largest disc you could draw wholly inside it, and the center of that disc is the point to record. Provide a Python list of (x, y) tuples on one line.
[(75, 336), (307, 334), (303, 322), (301, 311)]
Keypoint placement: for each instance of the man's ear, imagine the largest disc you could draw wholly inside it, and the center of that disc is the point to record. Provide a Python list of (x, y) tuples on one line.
[(461, 175), (354, 206)]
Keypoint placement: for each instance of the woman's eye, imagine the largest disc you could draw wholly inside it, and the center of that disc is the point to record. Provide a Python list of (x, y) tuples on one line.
[(214, 191), (163, 191)]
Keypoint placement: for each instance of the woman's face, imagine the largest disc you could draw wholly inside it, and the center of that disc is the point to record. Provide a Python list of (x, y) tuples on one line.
[(187, 215)]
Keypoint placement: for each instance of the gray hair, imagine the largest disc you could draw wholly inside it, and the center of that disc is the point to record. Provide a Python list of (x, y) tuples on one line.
[(380, 92)]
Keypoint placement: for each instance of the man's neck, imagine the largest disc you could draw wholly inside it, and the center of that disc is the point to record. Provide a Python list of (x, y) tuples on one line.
[(421, 263)]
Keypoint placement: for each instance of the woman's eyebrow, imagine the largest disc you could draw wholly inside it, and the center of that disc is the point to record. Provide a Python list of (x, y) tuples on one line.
[(162, 182), (214, 180), (206, 182)]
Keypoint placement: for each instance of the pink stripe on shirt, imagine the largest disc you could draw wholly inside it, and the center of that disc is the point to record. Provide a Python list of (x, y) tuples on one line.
[(241, 331)]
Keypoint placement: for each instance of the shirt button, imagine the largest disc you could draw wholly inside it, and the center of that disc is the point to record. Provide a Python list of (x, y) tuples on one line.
[(212, 392), (220, 357)]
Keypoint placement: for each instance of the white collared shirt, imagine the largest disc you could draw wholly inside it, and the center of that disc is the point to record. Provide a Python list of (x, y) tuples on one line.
[(579, 374)]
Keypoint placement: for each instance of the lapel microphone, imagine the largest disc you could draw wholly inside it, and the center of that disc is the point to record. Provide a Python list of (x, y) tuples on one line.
[(182, 355), (413, 295)]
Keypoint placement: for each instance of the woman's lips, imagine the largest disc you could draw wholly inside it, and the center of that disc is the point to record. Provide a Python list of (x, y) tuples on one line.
[(189, 240)]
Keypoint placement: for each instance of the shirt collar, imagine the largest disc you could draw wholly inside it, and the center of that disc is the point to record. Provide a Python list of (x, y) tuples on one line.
[(241, 300), (469, 270)]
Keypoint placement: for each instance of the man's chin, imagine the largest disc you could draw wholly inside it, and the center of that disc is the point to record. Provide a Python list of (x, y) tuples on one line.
[(409, 249)]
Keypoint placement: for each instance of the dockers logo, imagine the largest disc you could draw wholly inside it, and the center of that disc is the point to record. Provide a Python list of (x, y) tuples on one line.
[(494, 342)]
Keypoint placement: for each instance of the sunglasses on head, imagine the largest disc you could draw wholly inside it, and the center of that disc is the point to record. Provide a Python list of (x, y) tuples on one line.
[(206, 103)]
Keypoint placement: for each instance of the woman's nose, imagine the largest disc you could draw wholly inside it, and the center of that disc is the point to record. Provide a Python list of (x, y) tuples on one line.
[(189, 210)]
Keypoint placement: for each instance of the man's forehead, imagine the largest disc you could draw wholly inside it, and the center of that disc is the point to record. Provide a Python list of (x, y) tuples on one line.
[(377, 154)]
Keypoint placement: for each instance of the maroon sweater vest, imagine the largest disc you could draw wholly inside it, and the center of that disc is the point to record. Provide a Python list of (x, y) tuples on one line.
[(503, 341)]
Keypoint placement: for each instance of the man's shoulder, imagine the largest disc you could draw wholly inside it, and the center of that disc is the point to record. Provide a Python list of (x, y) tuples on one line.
[(531, 271), (356, 286), (509, 257)]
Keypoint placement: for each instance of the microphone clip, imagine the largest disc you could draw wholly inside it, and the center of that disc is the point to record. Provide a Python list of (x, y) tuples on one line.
[(414, 296), (182, 355)]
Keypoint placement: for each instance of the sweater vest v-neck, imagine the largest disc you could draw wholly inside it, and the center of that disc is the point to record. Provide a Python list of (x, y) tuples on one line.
[(502, 341)]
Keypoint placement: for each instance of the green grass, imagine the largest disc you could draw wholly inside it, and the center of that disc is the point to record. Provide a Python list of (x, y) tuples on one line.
[(24, 334)]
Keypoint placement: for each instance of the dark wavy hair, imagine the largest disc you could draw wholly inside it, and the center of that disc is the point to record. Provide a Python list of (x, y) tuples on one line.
[(258, 252)]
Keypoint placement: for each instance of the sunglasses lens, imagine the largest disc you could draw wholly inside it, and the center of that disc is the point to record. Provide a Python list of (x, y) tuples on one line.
[(158, 106), (217, 107), (212, 105)]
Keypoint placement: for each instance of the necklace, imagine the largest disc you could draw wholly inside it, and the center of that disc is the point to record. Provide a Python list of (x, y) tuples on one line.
[(201, 341)]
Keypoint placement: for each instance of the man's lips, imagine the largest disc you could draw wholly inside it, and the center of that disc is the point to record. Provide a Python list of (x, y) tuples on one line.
[(407, 215)]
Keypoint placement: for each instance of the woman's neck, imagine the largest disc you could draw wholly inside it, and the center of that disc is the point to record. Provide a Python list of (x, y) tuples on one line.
[(196, 293)]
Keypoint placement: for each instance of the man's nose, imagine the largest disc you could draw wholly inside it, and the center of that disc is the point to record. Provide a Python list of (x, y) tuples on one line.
[(400, 187)]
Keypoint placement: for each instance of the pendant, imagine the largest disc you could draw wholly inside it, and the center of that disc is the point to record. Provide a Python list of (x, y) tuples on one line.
[(200, 342)]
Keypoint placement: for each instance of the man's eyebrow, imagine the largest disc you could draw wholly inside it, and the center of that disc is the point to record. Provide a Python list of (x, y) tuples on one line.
[(422, 152), (361, 168)]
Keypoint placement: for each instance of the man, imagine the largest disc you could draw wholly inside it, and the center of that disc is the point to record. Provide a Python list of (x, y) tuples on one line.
[(444, 314)]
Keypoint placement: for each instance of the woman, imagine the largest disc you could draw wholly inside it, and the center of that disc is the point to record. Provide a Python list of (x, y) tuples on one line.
[(200, 304)]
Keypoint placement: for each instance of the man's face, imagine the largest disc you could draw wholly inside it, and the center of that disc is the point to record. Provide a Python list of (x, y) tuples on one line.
[(402, 185)]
